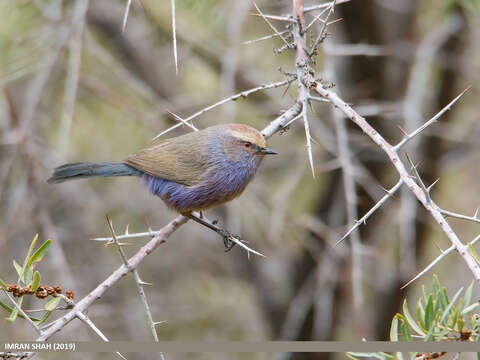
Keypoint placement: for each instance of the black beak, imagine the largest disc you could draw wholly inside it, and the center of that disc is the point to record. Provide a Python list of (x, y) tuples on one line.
[(267, 151)]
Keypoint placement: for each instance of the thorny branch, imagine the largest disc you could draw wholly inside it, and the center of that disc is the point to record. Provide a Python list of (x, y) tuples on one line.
[(160, 237), (305, 77), (414, 187)]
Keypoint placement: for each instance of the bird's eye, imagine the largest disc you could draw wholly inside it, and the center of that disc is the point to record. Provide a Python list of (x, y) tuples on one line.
[(247, 145)]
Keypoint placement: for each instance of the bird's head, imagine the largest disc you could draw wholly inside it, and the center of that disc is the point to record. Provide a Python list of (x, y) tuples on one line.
[(244, 141)]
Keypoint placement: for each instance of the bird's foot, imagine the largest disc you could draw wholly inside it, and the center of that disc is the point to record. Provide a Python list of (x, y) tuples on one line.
[(228, 237)]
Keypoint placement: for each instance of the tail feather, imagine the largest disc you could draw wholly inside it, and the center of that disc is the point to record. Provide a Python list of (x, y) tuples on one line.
[(87, 169)]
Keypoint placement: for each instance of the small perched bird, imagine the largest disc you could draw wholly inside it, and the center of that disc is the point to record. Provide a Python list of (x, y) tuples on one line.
[(196, 171)]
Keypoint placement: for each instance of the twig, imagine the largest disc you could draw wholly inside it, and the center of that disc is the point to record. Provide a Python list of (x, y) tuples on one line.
[(281, 122), (96, 330), (364, 218), (125, 15), (308, 136), (275, 17), (139, 283), (323, 6), (176, 117), (417, 92), (22, 312), (460, 216), (242, 94), (323, 32), (227, 236), (351, 206), (430, 206), (264, 37), (414, 133), (174, 34), (134, 261), (436, 261), (271, 26)]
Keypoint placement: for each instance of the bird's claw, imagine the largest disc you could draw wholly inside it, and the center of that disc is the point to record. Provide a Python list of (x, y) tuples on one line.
[(227, 239)]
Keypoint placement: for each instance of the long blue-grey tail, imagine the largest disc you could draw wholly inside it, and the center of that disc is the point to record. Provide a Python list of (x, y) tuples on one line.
[(87, 169)]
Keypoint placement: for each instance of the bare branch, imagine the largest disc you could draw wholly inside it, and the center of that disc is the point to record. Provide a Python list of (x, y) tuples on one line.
[(436, 261), (227, 236), (243, 94), (370, 212), (125, 15), (323, 6), (271, 25), (265, 37), (134, 261), (176, 117), (275, 17), (429, 122), (22, 312), (308, 136), (430, 206), (473, 218), (139, 283), (174, 35)]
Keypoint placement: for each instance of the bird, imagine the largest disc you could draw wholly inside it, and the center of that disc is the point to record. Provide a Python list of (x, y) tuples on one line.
[(192, 172)]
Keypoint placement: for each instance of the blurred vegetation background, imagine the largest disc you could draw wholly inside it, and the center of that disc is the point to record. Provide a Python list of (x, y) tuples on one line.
[(397, 62)]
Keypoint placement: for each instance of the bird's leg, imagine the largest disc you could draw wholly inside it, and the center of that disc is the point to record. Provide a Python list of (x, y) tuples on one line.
[(225, 234)]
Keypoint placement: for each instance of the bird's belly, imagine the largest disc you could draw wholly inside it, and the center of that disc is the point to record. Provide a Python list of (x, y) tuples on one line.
[(210, 193)]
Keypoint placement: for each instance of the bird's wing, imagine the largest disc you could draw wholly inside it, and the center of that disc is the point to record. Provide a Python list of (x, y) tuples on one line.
[(177, 159)]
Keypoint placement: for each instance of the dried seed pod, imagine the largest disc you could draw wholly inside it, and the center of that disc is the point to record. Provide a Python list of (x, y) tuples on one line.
[(50, 290), (465, 334), (41, 293), (12, 287), (58, 289), (70, 294)]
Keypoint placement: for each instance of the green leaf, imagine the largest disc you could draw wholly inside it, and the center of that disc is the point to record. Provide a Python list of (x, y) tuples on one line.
[(36, 280), (435, 284), (425, 297), (429, 314), (52, 303), (3, 285), (468, 297), (420, 314), (394, 329), (28, 275), (9, 309), (456, 313), (443, 297), (40, 253), (469, 309), (473, 252), (21, 276), (18, 268), (410, 320), (405, 331), (447, 310), (429, 336), (438, 303), (30, 249)]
